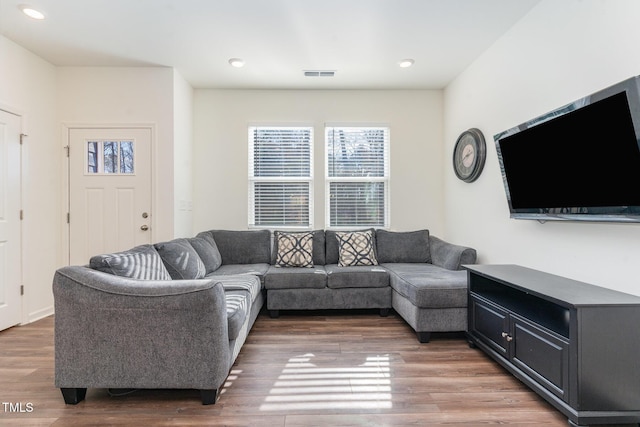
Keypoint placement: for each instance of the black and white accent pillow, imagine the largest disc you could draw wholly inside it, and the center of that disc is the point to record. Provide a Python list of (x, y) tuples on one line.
[(294, 249), (356, 248)]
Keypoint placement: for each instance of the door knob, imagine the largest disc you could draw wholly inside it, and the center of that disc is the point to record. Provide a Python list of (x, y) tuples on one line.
[(144, 227)]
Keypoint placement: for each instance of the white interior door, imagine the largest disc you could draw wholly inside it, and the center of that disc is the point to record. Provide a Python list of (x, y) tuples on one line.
[(10, 227), (109, 190)]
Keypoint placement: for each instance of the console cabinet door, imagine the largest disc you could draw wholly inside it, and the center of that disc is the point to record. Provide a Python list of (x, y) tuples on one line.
[(541, 355), (489, 323)]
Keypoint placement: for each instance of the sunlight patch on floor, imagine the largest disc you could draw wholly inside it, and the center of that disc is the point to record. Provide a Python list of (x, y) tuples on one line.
[(233, 375), (305, 385)]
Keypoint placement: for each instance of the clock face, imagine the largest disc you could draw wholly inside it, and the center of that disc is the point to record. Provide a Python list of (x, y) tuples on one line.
[(469, 155)]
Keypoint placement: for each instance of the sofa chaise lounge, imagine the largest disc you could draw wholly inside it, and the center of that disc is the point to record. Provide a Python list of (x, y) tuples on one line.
[(175, 314)]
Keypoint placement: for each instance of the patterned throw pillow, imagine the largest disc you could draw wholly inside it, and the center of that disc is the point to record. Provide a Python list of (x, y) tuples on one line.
[(294, 249), (356, 248)]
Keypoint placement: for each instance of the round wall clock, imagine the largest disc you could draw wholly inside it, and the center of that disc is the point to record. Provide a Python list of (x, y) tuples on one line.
[(469, 155)]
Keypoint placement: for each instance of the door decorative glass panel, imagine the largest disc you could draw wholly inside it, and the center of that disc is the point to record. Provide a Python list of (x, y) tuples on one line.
[(110, 157)]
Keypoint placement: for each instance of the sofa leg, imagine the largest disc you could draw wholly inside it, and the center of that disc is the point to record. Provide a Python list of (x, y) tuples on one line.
[(424, 337), (208, 396), (73, 396), (274, 314), (384, 312)]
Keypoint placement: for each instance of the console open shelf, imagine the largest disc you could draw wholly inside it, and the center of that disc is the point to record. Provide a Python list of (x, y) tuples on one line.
[(573, 343)]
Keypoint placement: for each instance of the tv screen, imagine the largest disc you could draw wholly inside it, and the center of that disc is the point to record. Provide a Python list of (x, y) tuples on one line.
[(578, 162)]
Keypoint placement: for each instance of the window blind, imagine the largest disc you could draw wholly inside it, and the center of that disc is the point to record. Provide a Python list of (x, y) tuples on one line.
[(280, 176), (357, 181)]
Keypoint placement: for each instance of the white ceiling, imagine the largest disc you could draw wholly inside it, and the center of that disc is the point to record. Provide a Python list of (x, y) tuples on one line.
[(362, 40)]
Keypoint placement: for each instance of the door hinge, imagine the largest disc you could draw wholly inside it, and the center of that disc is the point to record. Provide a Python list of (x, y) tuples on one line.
[(68, 149), (21, 290), (21, 214), (68, 218), (22, 137)]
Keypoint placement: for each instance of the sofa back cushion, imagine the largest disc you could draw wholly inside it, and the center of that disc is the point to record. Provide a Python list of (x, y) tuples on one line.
[(403, 247), (181, 259), (142, 262), (243, 247), (332, 253), (208, 251)]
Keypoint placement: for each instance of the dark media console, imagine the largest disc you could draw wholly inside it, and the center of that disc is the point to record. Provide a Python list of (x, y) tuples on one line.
[(577, 345)]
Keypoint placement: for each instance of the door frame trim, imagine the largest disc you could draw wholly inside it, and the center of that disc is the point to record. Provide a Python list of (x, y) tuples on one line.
[(24, 317), (66, 167)]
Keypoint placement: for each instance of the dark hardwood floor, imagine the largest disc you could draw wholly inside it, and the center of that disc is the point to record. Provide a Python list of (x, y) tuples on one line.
[(310, 369)]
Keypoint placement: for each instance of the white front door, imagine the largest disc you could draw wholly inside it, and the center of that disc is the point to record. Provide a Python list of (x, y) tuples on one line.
[(10, 224), (109, 190)]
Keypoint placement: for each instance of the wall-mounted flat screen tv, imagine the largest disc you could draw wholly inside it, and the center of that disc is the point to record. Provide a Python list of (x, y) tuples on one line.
[(578, 162)]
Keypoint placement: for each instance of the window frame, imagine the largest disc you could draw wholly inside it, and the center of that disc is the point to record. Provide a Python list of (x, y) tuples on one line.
[(280, 179), (385, 179)]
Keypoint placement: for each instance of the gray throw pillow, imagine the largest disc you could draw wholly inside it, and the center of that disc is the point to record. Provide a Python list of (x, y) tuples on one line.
[(206, 248), (356, 248), (403, 247), (294, 249), (142, 262), (181, 260)]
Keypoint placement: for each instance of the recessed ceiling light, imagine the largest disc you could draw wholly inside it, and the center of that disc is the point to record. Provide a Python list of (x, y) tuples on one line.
[(31, 12), (406, 63), (236, 62)]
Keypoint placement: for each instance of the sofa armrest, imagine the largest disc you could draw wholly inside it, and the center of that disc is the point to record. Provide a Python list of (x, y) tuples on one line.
[(118, 285), (450, 256), (116, 332)]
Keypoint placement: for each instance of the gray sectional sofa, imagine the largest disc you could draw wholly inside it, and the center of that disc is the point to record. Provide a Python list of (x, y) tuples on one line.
[(175, 314)]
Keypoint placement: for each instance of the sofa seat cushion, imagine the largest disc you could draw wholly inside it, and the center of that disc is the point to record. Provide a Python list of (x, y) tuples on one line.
[(361, 276), (239, 282), (429, 286), (238, 308), (258, 270), (296, 278)]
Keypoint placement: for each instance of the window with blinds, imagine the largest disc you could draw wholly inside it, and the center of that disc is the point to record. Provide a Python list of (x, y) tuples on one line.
[(280, 176), (357, 177)]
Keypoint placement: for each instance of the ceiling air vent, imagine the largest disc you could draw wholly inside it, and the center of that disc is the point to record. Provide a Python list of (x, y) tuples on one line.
[(319, 73)]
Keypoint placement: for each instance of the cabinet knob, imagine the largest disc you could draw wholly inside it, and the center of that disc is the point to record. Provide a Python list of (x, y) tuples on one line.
[(507, 336)]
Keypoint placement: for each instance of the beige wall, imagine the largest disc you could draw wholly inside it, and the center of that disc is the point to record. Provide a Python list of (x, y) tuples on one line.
[(120, 96), (183, 156), (559, 52), (220, 162), (28, 88)]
